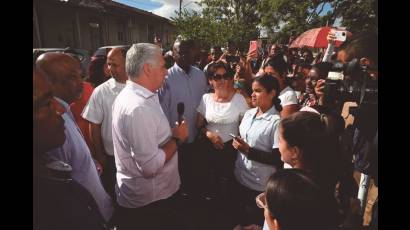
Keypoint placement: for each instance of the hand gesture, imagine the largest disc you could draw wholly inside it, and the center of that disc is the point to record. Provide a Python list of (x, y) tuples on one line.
[(241, 145), (215, 139), (223, 57), (331, 38), (320, 85), (180, 131)]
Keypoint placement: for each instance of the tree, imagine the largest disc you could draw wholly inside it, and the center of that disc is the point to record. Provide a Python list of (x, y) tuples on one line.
[(239, 20), (358, 15), (220, 21), (296, 16)]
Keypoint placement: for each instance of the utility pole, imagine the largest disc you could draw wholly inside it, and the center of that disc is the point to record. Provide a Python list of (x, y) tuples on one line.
[(180, 7)]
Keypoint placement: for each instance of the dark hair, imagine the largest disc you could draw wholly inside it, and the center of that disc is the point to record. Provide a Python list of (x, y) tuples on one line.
[(278, 64), (323, 69), (296, 202), (96, 70), (361, 45), (270, 83), (317, 141), (216, 47), (216, 65)]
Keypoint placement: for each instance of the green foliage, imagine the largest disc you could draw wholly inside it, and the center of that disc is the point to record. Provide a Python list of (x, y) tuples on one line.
[(220, 21), (240, 20), (355, 15), (358, 15)]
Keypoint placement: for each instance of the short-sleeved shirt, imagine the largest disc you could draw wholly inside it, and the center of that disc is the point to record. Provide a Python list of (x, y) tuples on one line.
[(260, 133), (288, 97), (187, 88), (99, 110), (223, 118)]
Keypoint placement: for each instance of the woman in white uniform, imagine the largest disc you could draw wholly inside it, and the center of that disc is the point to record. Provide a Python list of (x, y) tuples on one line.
[(258, 154)]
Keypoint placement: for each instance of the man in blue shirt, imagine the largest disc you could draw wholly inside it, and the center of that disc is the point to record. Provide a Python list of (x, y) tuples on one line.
[(184, 83)]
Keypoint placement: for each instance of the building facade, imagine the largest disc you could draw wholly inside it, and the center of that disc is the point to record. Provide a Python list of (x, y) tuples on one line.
[(89, 24)]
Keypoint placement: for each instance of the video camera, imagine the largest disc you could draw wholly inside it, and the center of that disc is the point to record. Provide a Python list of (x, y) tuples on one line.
[(350, 82), (232, 59)]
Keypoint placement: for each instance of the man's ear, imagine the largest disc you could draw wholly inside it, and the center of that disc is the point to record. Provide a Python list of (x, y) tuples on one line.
[(147, 69)]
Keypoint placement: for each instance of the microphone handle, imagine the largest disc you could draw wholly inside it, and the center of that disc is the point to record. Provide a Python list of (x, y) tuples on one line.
[(180, 119)]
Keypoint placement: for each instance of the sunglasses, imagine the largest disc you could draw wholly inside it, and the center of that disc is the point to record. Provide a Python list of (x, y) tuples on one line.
[(218, 77)]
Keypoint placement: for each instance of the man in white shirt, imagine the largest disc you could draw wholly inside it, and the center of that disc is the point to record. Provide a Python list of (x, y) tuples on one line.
[(145, 147), (98, 112), (64, 73)]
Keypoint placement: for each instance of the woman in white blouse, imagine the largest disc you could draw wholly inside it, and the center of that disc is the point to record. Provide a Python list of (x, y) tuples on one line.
[(277, 67), (219, 115)]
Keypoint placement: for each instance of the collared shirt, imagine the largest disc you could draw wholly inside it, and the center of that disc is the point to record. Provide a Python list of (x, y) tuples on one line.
[(260, 133), (139, 129), (182, 87), (99, 110), (76, 153)]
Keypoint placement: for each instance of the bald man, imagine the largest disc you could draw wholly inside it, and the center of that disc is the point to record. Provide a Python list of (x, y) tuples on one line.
[(59, 202), (98, 112), (64, 73)]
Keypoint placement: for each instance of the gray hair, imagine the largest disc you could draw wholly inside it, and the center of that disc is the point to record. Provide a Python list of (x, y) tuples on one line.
[(138, 55)]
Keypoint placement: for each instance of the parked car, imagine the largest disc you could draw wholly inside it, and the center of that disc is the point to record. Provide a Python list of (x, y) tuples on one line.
[(103, 51), (82, 55)]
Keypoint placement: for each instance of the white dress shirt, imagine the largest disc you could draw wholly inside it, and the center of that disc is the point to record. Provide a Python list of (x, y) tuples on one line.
[(99, 110), (139, 129), (76, 153)]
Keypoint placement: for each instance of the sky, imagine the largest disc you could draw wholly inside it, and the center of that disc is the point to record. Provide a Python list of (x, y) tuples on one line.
[(164, 8), (167, 8)]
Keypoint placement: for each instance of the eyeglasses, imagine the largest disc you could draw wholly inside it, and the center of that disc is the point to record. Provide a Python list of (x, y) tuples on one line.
[(218, 77), (261, 200)]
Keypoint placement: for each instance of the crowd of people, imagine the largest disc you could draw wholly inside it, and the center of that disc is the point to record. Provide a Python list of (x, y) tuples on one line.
[(253, 132)]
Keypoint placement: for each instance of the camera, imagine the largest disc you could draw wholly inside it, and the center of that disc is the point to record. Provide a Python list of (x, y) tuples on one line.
[(340, 35), (232, 58), (350, 82)]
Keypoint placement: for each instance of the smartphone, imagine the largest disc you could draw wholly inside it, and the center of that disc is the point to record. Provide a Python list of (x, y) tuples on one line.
[(232, 135), (253, 49), (340, 35)]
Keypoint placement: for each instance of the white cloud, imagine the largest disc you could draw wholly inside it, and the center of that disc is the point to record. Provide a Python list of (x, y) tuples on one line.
[(337, 22), (169, 7)]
